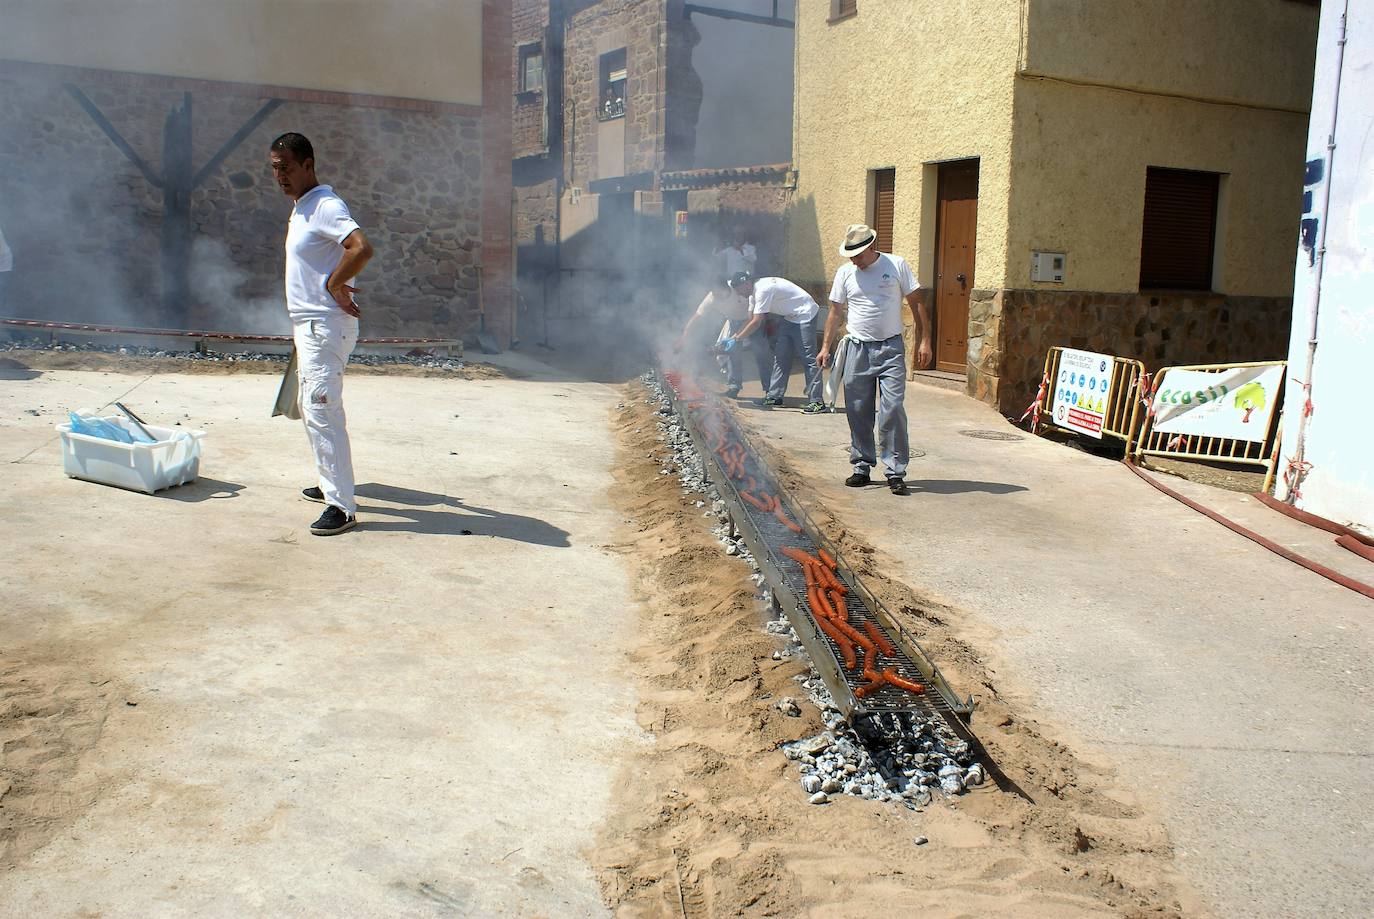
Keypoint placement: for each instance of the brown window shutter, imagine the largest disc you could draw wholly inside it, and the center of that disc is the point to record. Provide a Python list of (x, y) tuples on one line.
[(1179, 229), (884, 206), (847, 7)]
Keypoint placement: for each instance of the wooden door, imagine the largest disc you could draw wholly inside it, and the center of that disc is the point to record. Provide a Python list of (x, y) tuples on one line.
[(955, 239)]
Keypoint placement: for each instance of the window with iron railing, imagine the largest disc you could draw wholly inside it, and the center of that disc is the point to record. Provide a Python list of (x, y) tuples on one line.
[(614, 76)]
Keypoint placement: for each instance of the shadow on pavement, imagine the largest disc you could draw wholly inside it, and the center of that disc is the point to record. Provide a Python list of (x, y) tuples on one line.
[(472, 521), (202, 489), (960, 487)]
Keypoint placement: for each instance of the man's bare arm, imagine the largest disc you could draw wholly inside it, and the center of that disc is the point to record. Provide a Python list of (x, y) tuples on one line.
[(357, 253), (833, 319), (920, 312), (754, 322)]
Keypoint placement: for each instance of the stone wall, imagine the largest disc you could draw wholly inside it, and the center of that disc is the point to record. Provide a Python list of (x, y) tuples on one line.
[(588, 36), (85, 224), (1011, 330), (529, 20)]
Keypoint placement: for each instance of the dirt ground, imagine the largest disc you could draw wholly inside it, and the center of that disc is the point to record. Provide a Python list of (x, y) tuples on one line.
[(712, 819)]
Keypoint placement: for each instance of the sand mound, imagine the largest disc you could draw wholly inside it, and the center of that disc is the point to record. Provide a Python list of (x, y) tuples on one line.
[(711, 820)]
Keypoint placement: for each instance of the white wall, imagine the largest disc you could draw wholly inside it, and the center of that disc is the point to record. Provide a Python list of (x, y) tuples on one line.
[(1340, 438)]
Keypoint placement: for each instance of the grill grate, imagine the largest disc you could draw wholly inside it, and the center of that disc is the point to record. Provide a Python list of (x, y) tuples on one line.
[(712, 426)]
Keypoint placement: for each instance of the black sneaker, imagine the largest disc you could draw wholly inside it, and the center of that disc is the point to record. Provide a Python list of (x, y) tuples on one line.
[(333, 522), (813, 408), (312, 494), (732, 391), (858, 480), (898, 485), (769, 402)]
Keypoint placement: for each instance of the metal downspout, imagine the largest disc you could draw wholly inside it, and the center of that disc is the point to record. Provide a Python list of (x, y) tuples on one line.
[(1300, 449)]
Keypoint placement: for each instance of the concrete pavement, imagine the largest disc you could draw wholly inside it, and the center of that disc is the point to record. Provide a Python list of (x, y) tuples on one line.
[(1229, 684), (419, 717)]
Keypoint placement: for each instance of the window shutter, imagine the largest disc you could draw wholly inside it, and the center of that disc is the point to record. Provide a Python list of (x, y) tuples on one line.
[(884, 206), (1179, 229)]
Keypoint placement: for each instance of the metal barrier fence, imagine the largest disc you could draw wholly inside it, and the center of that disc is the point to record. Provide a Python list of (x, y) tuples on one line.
[(1263, 454), (1123, 410)]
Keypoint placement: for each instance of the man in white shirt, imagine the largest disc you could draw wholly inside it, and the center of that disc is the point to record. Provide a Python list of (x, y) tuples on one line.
[(723, 303), (867, 294), (794, 333), (325, 251)]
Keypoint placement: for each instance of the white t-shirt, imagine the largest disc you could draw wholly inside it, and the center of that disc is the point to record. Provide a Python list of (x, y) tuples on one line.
[(750, 256), (729, 305), (319, 224), (874, 296), (781, 297), (6, 256), (731, 261)]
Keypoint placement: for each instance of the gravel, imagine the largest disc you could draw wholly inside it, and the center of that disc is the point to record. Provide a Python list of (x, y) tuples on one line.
[(414, 358)]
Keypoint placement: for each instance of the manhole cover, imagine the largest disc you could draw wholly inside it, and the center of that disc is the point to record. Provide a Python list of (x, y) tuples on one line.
[(992, 435)]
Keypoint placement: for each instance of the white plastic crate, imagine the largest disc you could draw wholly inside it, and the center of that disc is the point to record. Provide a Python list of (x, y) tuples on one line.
[(173, 460)]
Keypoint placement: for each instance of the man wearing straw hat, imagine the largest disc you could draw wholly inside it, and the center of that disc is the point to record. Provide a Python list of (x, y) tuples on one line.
[(868, 294)]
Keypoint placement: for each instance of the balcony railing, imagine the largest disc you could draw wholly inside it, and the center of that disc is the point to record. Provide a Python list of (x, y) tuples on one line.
[(611, 109)]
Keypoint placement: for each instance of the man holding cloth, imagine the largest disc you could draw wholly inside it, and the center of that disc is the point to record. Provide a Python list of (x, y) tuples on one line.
[(868, 293), (325, 251)]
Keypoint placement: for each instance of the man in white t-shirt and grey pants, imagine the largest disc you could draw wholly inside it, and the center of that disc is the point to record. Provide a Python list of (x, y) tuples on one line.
[(793, 333), (325, 251), (868, 292)]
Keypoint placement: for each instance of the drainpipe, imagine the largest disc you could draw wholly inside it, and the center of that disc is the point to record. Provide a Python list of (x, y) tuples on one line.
[(1300, 449)]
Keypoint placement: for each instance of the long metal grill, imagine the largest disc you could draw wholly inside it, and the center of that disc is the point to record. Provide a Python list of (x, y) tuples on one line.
[(749, 489)]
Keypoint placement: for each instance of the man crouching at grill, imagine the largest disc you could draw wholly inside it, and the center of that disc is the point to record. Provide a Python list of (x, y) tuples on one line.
[(325, 251)]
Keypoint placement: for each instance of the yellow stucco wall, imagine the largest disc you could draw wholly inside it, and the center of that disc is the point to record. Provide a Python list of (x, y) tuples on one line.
[(1252, 51), (421, 49), (1062, 164), (1078, 184), (902, 84)]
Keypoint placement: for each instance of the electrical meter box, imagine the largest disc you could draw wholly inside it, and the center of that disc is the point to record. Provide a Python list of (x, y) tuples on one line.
[(1048, 266)]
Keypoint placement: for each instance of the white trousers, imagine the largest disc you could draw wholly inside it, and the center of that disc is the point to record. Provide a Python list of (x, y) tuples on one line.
[(322, 350)]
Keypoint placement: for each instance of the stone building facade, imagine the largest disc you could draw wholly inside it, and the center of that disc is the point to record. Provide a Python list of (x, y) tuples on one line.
[(604, 152), (428, 181)]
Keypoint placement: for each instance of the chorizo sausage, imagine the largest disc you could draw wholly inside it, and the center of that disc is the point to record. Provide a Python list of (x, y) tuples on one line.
[(870, 687), (901, 682), (846, 649), (879, 638)]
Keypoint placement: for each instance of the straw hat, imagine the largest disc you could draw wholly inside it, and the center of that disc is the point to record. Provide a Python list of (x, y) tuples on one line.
[(857, 238)]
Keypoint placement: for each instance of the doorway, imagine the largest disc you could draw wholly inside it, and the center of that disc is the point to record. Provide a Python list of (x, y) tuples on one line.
[(955, 244)]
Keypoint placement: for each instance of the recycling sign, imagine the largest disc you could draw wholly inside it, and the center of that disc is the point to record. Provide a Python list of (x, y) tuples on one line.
[(1082, 391)]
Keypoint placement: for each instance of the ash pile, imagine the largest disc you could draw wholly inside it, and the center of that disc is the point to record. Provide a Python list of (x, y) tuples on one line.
[(415, 358), (901, 758)]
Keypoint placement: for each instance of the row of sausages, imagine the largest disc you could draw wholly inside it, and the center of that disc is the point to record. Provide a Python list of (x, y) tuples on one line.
[(825, 592), (825, 595)]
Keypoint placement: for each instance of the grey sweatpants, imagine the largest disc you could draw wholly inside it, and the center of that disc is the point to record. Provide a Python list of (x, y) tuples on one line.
[(795, 338), (875, 384)]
